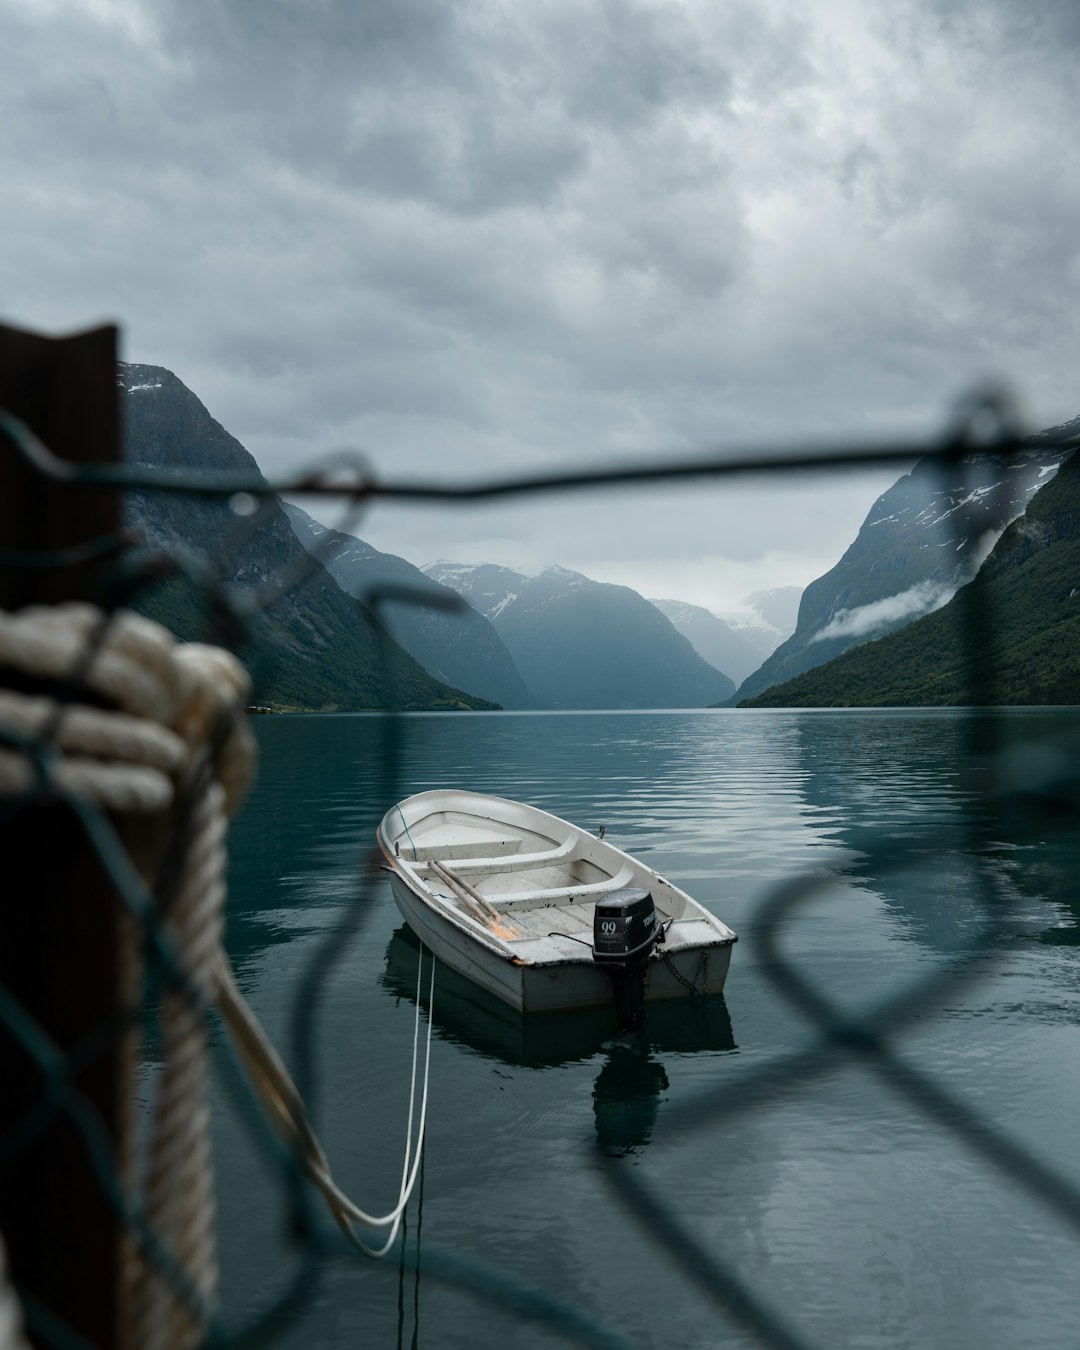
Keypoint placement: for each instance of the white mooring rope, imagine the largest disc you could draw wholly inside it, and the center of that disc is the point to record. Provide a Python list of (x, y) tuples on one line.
[(175, 711)]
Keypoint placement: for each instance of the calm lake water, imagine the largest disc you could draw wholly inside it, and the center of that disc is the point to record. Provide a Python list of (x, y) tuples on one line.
[(855, 1218)]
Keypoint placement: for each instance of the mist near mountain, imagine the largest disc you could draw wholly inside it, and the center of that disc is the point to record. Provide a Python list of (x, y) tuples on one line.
[(778, 606), (767, 618)]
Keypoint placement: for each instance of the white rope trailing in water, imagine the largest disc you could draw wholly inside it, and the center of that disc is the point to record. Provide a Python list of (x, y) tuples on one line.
[(285, 1109), (175, 711)]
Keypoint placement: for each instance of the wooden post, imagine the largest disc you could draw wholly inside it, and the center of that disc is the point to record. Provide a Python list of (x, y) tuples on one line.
[(61, 926)]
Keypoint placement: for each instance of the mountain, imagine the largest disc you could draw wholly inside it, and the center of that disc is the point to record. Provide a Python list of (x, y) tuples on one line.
[(315, 646), (1010, 636), (718, 642), (488, 587), (922, 540), (586, 644), (459, 647)]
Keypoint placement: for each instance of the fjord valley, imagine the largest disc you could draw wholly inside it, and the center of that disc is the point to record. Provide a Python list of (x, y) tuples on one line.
[(557, 640), (540, 709), (336, 624), (734, 644)]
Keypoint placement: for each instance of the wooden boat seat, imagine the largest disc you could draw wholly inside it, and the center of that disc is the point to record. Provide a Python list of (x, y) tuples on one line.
[(511, 862), (497, 851), (562, 895)]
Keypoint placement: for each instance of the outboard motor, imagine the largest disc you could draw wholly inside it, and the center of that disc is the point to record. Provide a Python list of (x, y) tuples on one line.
[(625, 931)]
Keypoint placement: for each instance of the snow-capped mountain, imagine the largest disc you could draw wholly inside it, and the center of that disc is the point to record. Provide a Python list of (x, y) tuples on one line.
[(488, 587), (721, 644), (581, 643), (459, 647), (921, 541)]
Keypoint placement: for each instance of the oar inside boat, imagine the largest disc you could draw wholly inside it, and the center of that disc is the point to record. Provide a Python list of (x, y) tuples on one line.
[(625, 931), (477, 905)]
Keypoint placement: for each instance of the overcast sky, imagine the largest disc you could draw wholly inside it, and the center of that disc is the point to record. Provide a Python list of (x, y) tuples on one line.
[(474, 237)]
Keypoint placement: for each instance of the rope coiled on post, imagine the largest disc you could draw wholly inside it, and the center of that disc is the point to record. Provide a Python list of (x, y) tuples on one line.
[(110, 710)]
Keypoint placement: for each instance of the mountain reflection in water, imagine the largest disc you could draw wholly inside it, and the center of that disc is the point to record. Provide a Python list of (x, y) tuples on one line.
[(626, 1099)]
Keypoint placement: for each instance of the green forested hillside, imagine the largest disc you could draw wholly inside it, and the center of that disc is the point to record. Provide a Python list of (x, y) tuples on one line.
[(1010, 636), (919, 542)]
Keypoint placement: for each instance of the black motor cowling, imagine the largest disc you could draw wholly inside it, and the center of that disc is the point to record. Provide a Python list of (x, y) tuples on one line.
[(625, 931)]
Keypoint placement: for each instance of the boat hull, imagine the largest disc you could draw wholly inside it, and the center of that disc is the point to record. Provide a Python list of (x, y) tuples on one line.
[(471, 1016), (550, 986)]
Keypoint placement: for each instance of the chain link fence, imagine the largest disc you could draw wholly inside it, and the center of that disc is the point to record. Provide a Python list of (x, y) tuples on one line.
[(55, 1039)]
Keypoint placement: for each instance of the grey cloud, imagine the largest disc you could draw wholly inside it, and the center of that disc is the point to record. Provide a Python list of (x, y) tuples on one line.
[(1011, 25), (286, 62), (632, 63), (477, 169), (487, 236), (472, 107)]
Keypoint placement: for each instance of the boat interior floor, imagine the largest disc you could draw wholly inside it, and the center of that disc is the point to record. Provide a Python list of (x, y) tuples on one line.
[(546, 920)]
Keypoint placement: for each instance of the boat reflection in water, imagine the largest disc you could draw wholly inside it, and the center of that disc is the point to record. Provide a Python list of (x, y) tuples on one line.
[(626, 1099), (631, 1081)]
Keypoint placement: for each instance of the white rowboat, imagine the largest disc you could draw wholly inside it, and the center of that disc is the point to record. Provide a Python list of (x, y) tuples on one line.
[(505, 894)]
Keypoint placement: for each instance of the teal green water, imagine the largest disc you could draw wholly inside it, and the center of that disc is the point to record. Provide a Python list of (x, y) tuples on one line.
[(856, 1218)]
